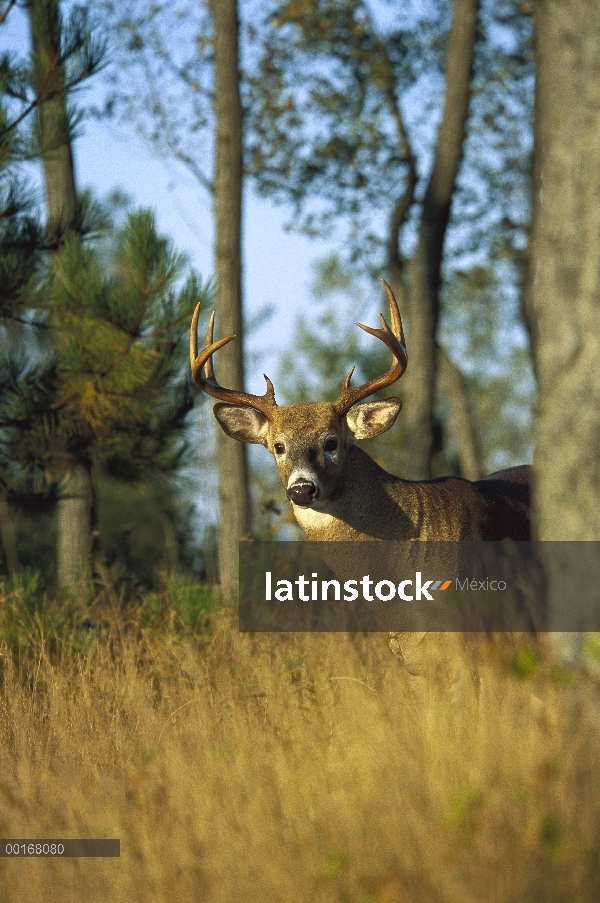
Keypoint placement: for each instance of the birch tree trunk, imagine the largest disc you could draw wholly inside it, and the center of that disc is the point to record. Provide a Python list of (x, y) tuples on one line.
[(564, 290), (75, 490), (233, 472)]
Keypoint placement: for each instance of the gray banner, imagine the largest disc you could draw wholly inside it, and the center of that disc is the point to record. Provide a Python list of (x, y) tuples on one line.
[(59, 848), (420, 586)]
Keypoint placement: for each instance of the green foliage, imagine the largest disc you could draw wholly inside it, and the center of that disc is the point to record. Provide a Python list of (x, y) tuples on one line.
[(21, 233), (120, 352), (144, 530), (323, 117), (336, 104), (93, 322), (591, 648), (342, 117), (21, 241), (26, 371), (462, 806), (114, 390), (33, 625), (335, 865), (109, 387), (34, 523), (525, 662), (185, 603)]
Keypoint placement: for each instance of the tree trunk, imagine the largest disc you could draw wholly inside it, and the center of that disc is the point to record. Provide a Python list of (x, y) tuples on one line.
[(75, 489), (171, 546), (565, 270), (455, 388), (74, 519), (424, 271), (8, 535), (57, 156), (233, 471), (564, 289)]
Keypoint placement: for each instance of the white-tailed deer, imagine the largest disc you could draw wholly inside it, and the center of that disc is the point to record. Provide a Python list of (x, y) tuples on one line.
[(337, 491)]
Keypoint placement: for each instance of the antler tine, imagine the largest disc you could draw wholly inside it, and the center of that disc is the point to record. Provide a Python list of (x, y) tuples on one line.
[(209, 369), (394, 339), (394, 314), (208, 383)]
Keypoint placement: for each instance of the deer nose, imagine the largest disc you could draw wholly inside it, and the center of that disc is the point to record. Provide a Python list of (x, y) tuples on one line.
[(303, 493)]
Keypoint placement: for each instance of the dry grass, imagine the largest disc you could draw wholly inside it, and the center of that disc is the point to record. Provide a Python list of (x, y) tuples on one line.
[(276, 768)]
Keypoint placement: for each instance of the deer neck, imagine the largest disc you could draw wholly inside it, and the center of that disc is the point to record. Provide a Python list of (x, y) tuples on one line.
[(367, 509)]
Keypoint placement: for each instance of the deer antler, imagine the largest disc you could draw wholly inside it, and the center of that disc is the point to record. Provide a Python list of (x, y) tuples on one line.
[(263, 403), (394, 339)]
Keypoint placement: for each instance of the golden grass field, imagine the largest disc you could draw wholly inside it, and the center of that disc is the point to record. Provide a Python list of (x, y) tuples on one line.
[(276, 768)]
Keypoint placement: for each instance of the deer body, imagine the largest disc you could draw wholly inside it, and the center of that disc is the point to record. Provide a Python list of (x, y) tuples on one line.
[(377, 505)]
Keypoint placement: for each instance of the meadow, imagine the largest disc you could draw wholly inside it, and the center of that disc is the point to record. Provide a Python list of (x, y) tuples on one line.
[(276, 768)]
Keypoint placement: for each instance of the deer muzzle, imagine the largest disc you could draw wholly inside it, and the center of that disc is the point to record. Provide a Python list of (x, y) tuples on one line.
[(303, 493)]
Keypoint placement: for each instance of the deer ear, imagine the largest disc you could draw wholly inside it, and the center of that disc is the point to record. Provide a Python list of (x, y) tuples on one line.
[(374, 417), (241, 423)]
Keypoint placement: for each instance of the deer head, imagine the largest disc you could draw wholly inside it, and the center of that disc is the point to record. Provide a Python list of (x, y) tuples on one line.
[(309, 441)]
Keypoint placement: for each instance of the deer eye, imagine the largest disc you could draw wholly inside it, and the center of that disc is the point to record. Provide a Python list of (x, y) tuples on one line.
[(331, 445), (279, 448)]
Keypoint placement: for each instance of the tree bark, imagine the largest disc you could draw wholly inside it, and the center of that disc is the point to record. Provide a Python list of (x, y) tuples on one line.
[(8, 535), (421, 293), (75, 488), (171, 547), (233, 472), (57, 156), (454, 385), (564, 291), (565, 270), (74, 519)]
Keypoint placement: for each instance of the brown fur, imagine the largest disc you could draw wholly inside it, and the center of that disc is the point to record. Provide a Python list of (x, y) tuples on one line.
[(358, 500)]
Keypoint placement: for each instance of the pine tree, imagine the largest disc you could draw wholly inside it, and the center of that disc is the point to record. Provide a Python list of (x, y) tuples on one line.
[(122, 387), (22, 243), (61, 53), (93, 368)]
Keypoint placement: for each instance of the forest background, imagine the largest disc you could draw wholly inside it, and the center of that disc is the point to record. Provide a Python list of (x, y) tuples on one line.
[(398, 138)]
